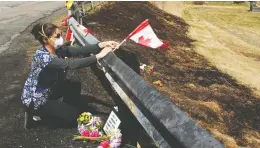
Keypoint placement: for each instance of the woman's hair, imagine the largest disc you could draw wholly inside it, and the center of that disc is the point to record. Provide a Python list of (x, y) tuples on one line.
[(43, 31)]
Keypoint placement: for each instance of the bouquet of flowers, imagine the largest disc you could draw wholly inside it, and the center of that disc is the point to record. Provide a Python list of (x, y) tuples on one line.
[(147, 68), (90, 128)]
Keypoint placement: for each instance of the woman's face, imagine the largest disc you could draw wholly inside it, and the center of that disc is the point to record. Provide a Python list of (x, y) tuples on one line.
[(55, 37)]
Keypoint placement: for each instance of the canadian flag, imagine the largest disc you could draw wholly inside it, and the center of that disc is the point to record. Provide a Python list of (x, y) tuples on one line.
[(69, 35), (65, 21), (145, 36), (81, 28)]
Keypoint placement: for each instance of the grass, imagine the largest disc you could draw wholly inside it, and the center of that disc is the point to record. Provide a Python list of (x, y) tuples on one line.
[(212, 3), (229, 39), (229, 17), (230, 33)]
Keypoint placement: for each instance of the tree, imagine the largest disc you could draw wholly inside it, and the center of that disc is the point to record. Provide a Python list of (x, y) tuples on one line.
[(252, 5)]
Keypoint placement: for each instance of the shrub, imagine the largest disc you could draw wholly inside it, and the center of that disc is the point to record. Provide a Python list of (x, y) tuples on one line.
[(198, 2)]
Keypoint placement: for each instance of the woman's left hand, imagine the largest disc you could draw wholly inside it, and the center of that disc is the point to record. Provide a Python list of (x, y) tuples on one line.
[(111, 44)]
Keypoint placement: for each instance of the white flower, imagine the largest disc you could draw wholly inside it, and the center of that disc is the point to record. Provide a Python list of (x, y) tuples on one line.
[(116, 138), (82, 128)]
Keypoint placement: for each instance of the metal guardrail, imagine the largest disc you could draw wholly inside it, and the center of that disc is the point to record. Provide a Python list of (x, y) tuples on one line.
[(165, 123)]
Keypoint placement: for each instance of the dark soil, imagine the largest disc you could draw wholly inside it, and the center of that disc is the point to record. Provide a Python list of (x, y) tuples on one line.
[(210, 97)]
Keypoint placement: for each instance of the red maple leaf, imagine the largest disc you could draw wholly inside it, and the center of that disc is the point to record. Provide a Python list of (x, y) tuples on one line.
[(143, 41), (87, 31)]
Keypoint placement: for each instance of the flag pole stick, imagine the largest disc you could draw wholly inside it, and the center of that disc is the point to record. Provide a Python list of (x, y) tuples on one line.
[(119, 44)]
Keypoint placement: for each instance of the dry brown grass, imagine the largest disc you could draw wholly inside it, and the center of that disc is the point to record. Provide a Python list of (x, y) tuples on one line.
[(229, 39), (213, 107), (227, 140), (252, 138)]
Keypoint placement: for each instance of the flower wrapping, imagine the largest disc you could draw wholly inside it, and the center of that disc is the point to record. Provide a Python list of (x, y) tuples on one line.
[(90, 128)]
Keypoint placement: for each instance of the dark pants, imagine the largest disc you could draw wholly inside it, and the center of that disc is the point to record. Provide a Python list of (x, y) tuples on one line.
[(57, 113)]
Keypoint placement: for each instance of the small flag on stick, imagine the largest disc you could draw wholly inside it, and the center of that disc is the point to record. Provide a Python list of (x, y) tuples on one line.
[(145, 36)]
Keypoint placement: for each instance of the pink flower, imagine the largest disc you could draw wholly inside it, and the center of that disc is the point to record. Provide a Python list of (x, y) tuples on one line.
[(94, 134), (151, 69), (104, 144), (85, 133)]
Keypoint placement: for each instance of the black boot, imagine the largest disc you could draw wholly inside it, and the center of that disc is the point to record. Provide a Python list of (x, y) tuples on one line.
[(28, 117)]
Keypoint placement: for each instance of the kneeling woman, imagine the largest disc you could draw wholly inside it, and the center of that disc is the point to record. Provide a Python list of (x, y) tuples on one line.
[(47, 75)]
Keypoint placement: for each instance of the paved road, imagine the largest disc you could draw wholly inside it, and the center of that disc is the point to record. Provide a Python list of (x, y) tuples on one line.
[(17, 16)]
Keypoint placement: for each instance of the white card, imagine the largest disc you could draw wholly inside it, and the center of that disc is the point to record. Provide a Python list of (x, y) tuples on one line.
[(112, 123)]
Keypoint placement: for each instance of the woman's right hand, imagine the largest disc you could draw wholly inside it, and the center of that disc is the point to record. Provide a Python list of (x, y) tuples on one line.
[(103, 52)]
